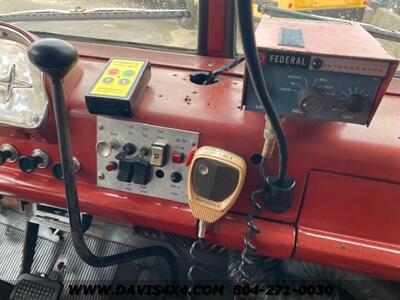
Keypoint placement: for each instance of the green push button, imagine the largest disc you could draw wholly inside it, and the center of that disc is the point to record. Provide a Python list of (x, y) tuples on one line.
[(129, 73)]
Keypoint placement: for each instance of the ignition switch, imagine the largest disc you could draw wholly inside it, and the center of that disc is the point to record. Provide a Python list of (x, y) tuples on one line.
[(8, 153), (39, 159)]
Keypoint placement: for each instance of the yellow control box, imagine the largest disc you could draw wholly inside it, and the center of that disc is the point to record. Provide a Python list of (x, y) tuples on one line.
[(119, 87)]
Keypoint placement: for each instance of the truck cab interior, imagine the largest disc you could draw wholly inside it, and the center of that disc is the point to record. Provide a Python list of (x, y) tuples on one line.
[(223, 149)]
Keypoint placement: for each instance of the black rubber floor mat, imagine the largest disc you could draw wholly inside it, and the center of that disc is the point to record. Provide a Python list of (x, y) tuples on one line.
[(77, 275), (133, 280)]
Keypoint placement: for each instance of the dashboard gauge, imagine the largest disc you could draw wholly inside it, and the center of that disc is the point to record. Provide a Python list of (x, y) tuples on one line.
[(23, 98)]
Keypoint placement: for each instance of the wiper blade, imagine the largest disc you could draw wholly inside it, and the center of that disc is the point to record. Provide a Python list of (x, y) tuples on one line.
[(373, 30), (94, 14)]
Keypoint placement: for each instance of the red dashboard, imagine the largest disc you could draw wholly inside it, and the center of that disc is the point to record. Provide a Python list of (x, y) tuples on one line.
[(346, 210)]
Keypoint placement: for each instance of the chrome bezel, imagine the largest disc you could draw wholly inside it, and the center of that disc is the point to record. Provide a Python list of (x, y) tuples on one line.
[(7, 33)]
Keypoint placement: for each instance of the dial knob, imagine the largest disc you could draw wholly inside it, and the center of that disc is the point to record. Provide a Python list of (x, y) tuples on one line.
[(309, 100), (355, 103)]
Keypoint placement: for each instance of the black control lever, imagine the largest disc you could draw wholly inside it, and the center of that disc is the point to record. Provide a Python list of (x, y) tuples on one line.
[(56, 58)]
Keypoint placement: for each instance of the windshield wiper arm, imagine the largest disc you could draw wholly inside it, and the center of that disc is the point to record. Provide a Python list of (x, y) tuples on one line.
[(94, 14), (373, 30)]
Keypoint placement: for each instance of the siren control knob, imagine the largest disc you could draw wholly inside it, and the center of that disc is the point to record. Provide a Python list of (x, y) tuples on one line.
[(355, 103), (309, 100)]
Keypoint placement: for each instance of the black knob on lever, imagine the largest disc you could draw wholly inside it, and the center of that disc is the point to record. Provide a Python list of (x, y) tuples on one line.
[(56, 58), (53, 57), (28, 164)]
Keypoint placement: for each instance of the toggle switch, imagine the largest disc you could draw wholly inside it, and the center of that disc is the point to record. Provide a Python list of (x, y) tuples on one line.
[(158, 154), (8, 153)]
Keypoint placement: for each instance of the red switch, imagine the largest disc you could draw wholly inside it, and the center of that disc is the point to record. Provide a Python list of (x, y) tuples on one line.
[(190, 155), (177, 157), (111, 166)]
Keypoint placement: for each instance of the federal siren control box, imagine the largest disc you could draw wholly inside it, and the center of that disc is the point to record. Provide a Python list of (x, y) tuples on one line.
[(322, 70), (119, 88)]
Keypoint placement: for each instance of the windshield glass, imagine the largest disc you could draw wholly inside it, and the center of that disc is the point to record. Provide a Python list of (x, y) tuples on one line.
[(165, 30), (382, 14)]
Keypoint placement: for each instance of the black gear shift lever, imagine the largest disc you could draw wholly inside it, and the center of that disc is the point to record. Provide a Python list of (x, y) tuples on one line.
[(56, 58)]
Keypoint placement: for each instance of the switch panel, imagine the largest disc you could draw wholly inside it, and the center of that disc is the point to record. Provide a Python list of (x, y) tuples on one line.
[(139, 172)]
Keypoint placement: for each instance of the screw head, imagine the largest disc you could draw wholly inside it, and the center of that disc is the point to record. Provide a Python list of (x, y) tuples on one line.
[(203, 169), (35, 119), (101, 176)]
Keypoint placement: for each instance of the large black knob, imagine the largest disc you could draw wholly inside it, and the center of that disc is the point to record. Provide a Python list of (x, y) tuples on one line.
[(355, 103), (53, 57), (309, 100), (29, 164)]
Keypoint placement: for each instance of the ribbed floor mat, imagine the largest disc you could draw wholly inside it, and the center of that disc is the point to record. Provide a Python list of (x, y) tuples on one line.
[(11, 245), (77, 272)]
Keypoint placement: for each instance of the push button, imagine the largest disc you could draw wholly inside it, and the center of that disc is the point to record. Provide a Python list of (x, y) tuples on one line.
[(177, 158), (141, 174)]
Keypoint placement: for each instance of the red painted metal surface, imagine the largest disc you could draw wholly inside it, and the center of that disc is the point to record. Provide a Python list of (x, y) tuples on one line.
[(150, 212), (216, 27), (351, 222), (347, 149)]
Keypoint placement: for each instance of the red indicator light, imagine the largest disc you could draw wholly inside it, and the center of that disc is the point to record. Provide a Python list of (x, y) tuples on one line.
[(111, 166)]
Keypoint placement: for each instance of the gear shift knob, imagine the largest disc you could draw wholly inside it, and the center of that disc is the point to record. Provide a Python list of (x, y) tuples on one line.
[(53, 57)]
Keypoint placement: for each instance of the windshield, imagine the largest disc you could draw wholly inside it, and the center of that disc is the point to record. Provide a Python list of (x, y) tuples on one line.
[(384, 15), (165, 30)]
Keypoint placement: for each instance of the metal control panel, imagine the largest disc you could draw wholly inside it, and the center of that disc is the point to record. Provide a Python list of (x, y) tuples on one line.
[(319, 94), (143, 159), (327, 71)]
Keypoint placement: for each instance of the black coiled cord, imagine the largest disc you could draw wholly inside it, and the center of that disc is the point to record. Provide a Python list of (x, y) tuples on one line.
[(249, 254)]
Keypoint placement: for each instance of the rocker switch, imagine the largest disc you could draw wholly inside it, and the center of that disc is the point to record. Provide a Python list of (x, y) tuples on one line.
[(141, 174), (125, 170), (158, 154)]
